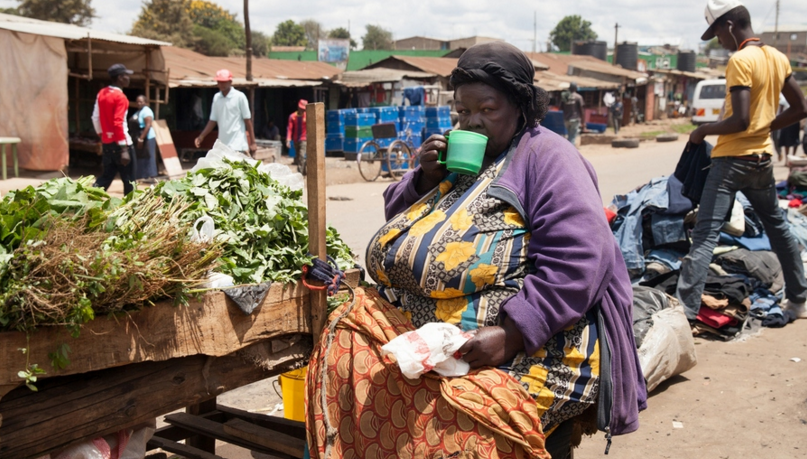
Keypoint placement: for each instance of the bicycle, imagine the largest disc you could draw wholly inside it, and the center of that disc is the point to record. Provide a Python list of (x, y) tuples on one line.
[(398, 158)]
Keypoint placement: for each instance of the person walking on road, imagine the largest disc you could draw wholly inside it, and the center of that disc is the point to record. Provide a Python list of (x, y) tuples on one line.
[(616, 113), (741, 160), (573, 113), (230, 111), (109, 121), (146, 143), (295, 132)]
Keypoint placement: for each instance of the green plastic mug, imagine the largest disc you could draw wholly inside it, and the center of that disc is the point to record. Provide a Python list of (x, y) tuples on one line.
[(465, 152)]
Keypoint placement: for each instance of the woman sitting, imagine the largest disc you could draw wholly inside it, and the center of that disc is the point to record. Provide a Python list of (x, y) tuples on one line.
[(522, 257)]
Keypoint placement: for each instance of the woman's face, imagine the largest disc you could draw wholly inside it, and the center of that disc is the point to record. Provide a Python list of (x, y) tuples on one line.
[(487, 111)]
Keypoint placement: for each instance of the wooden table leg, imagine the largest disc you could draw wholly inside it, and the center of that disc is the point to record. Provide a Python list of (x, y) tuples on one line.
[(206, 444), (16, 166)]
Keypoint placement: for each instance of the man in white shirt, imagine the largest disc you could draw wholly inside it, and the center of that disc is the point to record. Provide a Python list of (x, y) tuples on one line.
[(230, 111)]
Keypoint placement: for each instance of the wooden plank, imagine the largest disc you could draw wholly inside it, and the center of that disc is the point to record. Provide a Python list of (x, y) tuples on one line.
[(201, 442), (74, 407), (315, 167), (215, 430), (185, 451), (294, 428), (212, 326), (168, 151), (270, 439)]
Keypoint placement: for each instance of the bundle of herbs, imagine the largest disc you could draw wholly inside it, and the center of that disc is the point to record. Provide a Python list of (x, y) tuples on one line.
[(70, 260), (261, 225)]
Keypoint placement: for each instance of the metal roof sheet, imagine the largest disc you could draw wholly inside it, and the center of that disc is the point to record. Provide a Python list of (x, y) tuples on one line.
[(559, 64), (441, 66), (550, 81), (361, 78), (189, 68), (69, 31)]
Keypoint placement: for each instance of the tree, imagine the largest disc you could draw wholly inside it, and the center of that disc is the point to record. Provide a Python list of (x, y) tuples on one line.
[(341, 32), (166, 20), (377, 38), (212, 16), (569, 29), (288, 33), (77, 12), (313, 32), (260, 44)]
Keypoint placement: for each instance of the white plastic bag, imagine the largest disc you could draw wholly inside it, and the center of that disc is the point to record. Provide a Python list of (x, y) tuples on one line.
[(430, 347), (219, 280), (203, 234), (736, 224), (283, 174), (668, 348)]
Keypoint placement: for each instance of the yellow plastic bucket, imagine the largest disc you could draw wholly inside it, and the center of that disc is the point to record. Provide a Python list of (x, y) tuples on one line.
[(292, 386)]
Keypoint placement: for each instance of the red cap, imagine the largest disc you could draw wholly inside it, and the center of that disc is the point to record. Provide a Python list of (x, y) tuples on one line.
[(224, 75), (301, 105)]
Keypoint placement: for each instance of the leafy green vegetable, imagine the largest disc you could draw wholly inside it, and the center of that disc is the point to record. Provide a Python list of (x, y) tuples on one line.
[(262, 226)]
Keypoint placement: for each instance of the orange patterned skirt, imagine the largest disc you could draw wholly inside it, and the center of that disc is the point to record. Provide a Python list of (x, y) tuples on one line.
[(373, 411)]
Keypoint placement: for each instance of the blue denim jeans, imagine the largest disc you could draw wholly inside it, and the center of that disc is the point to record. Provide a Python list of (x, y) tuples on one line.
[(726, 177), (572, 130)]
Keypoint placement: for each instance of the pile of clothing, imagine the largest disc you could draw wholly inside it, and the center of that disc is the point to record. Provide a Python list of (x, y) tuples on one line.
[(745, 284)]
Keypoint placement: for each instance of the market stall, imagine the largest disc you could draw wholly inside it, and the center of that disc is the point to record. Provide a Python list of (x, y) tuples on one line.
[(129, 367)]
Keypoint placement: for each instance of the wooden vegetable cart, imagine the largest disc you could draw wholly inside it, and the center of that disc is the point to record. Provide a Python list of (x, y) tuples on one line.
[(129, 370)]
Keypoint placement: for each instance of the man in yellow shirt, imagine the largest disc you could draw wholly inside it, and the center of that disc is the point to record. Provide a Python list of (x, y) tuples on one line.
[(741, 161)]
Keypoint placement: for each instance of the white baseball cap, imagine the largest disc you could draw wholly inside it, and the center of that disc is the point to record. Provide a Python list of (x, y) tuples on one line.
[(714, 10)]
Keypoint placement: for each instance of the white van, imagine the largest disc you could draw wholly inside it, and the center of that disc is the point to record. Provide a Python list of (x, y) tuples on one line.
[(708, 101)]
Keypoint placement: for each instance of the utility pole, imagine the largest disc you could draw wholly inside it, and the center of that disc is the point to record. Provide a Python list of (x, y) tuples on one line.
[(248, 33), (616, 40), (535, 31), (776, 26)]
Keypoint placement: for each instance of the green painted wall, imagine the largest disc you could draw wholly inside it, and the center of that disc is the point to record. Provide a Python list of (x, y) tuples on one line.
[(359, 59)]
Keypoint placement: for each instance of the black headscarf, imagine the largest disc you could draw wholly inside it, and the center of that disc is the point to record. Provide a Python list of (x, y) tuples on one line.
[(507, 69)]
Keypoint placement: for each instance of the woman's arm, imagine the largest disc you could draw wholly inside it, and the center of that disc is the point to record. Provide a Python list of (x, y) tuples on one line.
[(143, 135), (571, 246)]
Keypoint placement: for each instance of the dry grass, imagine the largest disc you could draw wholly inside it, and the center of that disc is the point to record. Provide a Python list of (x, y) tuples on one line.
[(76, 273)]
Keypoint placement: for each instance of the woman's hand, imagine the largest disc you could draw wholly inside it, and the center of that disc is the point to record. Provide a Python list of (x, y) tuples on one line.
[(433, 171), (493, 346)]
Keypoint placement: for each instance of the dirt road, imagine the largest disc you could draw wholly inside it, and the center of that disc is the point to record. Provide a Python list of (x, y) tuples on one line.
[(745, 399)]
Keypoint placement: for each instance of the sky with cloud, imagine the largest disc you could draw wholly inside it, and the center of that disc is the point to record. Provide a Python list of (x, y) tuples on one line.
[(645, 20)]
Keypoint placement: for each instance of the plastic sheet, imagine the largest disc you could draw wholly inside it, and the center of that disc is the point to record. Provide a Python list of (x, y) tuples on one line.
[(668, 348), (430, 347)]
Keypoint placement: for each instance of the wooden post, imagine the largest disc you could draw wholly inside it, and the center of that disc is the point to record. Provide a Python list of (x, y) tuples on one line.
[(315, 167), (206, 444), (147, 72)]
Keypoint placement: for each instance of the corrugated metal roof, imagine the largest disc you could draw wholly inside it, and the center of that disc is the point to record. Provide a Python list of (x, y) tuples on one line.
[(68, 31), (189, 68), (559, 64), (442, 66), (698, 75), (550, 81), (361, 78)]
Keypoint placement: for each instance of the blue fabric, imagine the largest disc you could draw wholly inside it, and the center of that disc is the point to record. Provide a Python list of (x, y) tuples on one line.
[(798, 226), (693, 169), (144, 113), (753, 226), (751, 243), (679, 204), (726, 177), (765, 306), (667, 257), (628, 224), (668, 229), (416, 95)]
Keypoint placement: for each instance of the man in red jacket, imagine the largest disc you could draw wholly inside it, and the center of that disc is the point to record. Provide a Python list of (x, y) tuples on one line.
[(109, 119), (295, 132)]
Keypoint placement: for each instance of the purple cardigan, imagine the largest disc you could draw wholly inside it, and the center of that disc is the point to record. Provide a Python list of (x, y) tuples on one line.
[(577, 260)]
